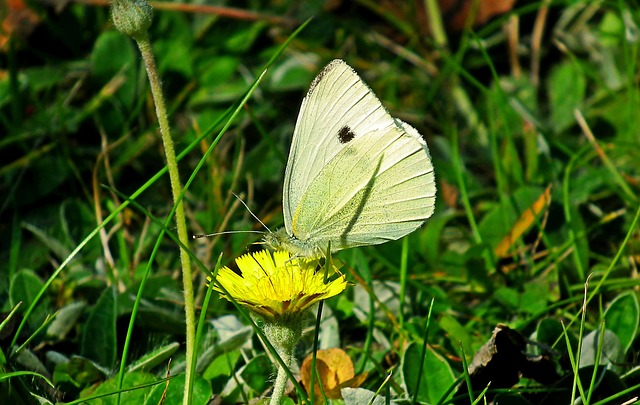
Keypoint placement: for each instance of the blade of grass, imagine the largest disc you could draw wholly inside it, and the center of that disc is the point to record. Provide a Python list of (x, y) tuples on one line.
[(615, 173), (575, 363), (466, 203), (404, 264), (567, 209), (203, 315), (423, 354), (594, 375)]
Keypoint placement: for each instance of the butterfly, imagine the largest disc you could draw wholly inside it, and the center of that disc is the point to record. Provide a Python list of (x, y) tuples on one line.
[(355, 175)]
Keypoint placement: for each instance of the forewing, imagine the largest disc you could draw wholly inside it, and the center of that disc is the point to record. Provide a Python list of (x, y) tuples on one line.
[(338, 107)]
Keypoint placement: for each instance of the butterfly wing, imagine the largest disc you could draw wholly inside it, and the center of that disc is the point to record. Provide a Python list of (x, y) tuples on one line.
[(380, 188), (337, 98), (355, 175)]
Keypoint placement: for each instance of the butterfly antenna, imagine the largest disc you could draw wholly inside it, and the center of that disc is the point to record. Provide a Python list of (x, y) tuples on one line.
[(208, 235), (251, 212)]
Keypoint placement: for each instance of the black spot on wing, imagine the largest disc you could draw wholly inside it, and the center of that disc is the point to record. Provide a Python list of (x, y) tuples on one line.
[(346, 134)]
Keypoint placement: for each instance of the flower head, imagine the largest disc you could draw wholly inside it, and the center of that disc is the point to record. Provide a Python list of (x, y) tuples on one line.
[(277, 285), (131, 17)]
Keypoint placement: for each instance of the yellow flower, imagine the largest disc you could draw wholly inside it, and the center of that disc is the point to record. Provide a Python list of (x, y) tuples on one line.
[(275, 285)]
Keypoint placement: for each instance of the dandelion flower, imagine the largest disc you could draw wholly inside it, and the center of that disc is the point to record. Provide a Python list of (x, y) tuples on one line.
[(275, 285), (280, 289)]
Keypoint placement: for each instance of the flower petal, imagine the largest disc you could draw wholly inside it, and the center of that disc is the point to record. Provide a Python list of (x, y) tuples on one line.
[(275, 284)]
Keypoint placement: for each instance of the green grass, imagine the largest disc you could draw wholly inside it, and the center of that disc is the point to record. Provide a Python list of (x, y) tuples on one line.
[(536, 160)]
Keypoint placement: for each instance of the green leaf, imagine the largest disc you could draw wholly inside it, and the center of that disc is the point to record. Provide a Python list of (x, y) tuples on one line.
[(30, 361), (24, 287), (622, 318), (65, 320), (354, 396), (175, 392), (608, 346), (114, 54), (550, 333), (242, 39), (99, 342), (536, 294), (508, 297), (217, 71), (432, 235), (291, 75), (131, 380), (42, 78), (257, 373), (566, 87), (157, 356), (580, 256), (174, 56), (79, 371), (222, 365), (57, 247), (457, 333), (436, 377)]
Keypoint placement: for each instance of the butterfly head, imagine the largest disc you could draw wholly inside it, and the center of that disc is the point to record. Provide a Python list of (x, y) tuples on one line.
[(281, 240)]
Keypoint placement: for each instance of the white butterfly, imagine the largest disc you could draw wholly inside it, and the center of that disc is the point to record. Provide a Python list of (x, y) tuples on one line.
[(355, 175)]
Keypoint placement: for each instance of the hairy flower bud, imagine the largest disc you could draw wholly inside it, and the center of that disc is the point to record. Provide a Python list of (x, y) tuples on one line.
[(132, 17)]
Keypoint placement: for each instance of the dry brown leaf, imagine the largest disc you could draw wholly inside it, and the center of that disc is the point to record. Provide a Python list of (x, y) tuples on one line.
[(523, 223), (449, 194), (457, 12), (335, 370), (18, 21), (503, 360)]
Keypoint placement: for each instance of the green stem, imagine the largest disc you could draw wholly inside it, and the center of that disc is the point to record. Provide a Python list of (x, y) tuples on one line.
[(435, 23), (281, 379), (283, 334), (176, 188)]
